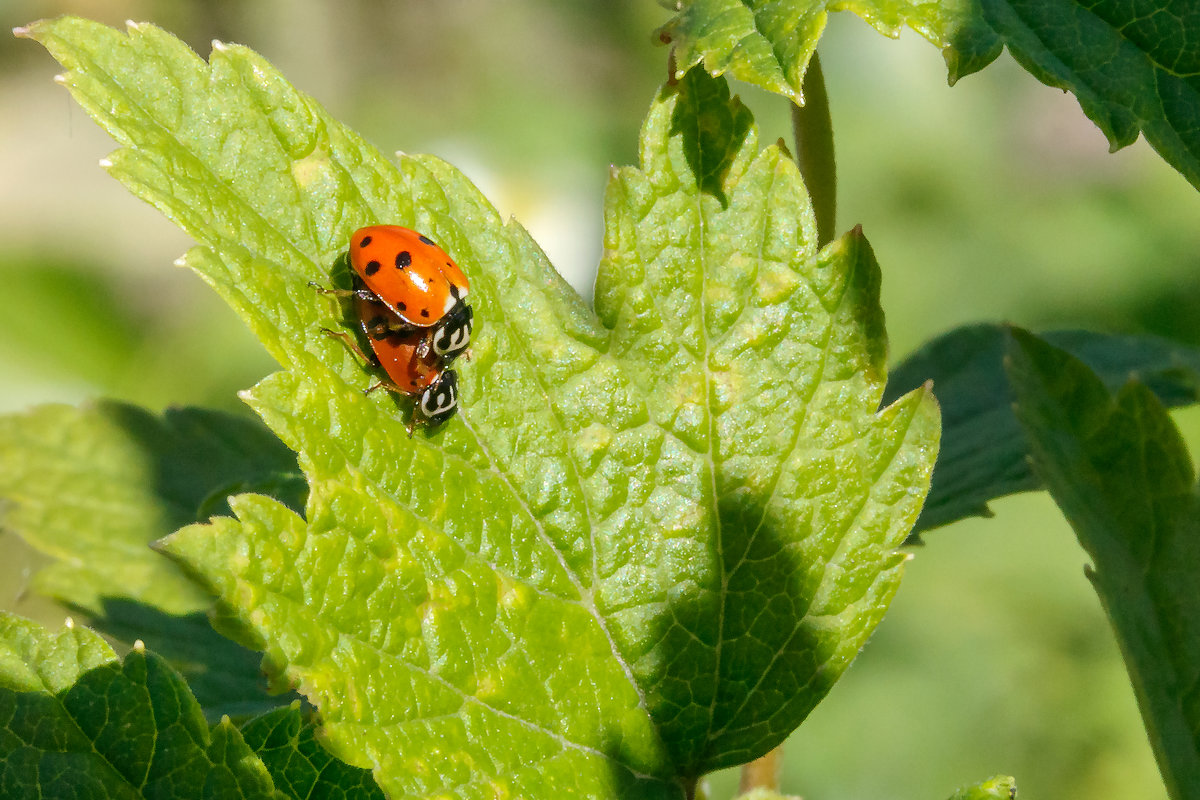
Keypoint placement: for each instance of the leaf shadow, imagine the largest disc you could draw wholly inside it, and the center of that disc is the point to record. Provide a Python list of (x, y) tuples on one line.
[(197, 457), (194, 459), (774, 665), (709, 124), (225, 677)]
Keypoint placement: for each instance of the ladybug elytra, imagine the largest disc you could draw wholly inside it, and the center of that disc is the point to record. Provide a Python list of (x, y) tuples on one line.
[(418, 282)]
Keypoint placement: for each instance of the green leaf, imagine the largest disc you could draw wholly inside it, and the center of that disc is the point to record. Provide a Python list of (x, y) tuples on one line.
[(1001, 787), (94, 486), (1133, 66), (76, 722), (1119, 470), (765, 359), (650, 541), (769, 42), (983, 455), (301, 768)]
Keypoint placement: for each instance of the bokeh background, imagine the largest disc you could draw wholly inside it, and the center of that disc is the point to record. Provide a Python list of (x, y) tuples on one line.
[(992, 200)]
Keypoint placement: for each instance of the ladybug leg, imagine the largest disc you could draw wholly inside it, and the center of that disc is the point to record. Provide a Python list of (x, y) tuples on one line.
[(319, 289), (362, 293), (383, 326), (385, 384), (351, 345)]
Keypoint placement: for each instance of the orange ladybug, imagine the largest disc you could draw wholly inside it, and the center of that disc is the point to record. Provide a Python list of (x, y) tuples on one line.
[(418, 282)]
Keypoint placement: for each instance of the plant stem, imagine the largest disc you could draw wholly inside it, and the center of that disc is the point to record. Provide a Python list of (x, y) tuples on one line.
[(813, 130), (762, 772)]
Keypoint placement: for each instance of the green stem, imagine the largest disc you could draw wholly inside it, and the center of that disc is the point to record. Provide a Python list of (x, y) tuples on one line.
[(813, 130), (762, 773)]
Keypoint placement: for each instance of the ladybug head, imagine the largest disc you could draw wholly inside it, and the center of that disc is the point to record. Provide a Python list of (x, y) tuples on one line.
[(453, 333), (439, 401)]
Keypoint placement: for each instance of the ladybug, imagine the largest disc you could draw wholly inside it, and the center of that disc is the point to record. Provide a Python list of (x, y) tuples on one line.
[(418, 282), (433, 386)]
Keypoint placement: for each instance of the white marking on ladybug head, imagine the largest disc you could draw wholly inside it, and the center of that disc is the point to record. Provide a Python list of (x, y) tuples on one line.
[(458, 338), (438, 399)]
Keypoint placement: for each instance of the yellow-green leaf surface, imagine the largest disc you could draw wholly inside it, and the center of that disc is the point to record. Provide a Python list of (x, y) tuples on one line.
[(654, 535), (76, 722), (1133, 66), (1119, 470)]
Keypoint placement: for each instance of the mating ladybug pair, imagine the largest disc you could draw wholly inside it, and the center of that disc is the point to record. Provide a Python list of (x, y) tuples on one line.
[(409, 297)]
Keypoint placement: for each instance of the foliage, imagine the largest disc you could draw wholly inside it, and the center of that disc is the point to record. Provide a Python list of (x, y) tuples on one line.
[(1132, 66), (659, 529)]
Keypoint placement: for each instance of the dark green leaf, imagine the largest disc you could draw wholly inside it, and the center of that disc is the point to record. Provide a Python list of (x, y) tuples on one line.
[(1134, 66), (1119, 470), (300, 767), (983, 454), (77, 723)]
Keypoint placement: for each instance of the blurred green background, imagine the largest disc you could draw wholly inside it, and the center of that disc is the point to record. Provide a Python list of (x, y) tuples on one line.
[(994, 200)]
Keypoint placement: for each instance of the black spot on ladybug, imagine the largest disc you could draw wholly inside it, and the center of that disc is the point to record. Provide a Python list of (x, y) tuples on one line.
[(424, 312), (403, 259), (454, 291), (366, 240), (426, 240), (401, 307), (373, 267)]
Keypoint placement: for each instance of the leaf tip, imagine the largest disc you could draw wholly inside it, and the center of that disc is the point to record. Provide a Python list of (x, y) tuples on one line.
[(22, 32), (139, 647), (105, 163), (69, 623), (219, 46), (132, 25), (60, 79), (181, 261)]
